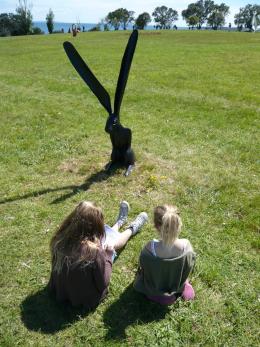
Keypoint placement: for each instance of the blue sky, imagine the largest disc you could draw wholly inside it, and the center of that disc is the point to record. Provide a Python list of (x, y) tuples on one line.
[(92, 11)]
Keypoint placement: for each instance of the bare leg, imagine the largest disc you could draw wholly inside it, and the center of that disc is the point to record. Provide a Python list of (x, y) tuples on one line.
[(116, 226), (122, 240), (134, 227)]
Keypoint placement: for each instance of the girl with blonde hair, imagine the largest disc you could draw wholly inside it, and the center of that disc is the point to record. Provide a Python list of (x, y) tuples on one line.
[(83, 249), (165, 264)]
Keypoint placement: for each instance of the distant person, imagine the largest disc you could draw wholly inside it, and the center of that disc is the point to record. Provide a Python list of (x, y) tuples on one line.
[(62, 30), (83, 250), (74, 30), (69, 31), (83, 29), (165, 264)]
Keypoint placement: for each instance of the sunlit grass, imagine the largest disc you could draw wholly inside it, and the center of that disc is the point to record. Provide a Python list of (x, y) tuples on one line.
[(192, 102)]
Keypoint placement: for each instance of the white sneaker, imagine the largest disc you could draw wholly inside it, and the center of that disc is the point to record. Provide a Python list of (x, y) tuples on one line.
[(123, 213), (138, 223)]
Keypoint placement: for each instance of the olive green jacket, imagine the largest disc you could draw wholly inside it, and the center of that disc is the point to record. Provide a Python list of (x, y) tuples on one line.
[(163, 277)]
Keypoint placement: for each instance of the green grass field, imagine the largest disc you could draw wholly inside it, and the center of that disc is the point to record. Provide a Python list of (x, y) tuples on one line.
[(193, 104)]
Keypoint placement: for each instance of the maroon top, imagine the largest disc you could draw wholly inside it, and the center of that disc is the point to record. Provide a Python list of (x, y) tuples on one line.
[(83, 285)]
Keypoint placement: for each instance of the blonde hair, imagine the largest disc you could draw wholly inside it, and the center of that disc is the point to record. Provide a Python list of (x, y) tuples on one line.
[(77, 239), (168, 222)]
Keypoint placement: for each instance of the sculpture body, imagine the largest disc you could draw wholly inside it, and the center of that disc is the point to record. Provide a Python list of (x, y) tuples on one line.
[(121, 137)]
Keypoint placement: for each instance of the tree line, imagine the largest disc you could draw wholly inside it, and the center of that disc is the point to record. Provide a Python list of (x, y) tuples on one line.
[(21, 22), (196, 15)]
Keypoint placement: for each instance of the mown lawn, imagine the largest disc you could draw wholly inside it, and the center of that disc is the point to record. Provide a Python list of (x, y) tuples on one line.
[(193, 104)]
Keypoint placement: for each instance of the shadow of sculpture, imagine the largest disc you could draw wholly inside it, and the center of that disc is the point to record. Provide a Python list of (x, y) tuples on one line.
[(41, 312), (97, 177), (75, 189), (131, 308)]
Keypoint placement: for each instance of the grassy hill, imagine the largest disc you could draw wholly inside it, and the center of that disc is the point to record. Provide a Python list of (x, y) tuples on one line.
[(192, 102)]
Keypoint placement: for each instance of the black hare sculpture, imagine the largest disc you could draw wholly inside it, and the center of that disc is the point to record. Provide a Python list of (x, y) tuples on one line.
[(121, 137)]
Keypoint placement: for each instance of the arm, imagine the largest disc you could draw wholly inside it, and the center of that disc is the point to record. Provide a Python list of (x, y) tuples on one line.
[(103, 269), (148, 246), (188, 246), (140, 262)]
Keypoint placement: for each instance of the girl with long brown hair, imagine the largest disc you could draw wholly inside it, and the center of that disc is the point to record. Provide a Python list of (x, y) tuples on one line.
[(83, 249)]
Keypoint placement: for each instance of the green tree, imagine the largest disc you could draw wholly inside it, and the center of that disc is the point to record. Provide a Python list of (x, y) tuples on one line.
[(24, 18), (50, 21), (113, 19), (164, 16), (217, 18), (17, 24), (193, 10), (8, 24), (127, 17), (207, 7), (120, 17), (200, 9), (142, 20), (245, 15), (193, 21), (37, 31)]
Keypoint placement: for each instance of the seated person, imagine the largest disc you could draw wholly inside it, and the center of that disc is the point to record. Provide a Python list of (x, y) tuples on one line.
[(165, 264), (83, 250)]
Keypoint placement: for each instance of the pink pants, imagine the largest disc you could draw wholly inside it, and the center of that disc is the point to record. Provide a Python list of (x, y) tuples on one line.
[(187, 294)]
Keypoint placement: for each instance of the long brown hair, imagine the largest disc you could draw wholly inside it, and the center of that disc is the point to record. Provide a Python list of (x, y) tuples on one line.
[(77, 239), (168, 222)]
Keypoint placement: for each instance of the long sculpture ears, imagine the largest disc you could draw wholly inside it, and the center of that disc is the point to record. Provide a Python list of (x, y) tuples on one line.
[(124, 71), (87, 75)]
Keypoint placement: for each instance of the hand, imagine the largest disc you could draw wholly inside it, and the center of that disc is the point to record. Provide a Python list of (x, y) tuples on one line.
[(109, 248)]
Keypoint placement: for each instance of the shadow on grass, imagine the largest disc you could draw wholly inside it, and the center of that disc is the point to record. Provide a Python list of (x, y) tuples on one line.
[(94, 178), (75, 189), (130, 309), (41, 312)]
